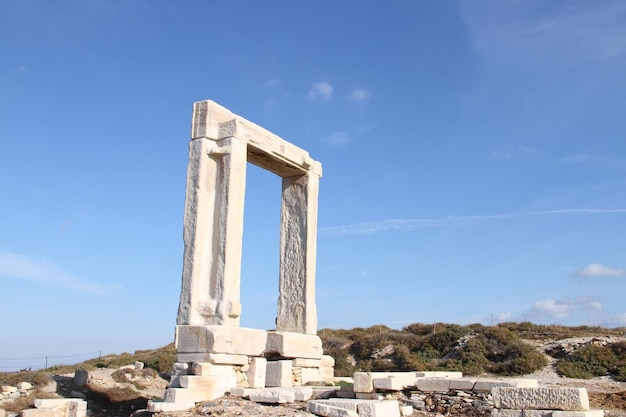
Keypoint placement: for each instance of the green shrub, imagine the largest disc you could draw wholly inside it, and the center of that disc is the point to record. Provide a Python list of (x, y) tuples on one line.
[(588, 361)]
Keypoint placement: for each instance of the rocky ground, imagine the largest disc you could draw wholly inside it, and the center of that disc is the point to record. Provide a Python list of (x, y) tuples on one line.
[(604, 394), (129, 400)]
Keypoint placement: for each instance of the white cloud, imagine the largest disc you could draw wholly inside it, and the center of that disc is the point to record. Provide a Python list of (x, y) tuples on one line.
[(321, 90), (22, 267), (412, 224), (551, 309), (360, 94), (502, 317), (338, 139), (599, 270), (501, 154), (272, 83)]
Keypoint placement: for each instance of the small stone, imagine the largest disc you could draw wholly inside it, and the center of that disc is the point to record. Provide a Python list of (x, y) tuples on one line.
[(24, 385)]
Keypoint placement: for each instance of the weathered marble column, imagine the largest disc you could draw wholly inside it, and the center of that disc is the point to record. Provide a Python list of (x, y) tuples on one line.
[(213, 231), (298, 246)]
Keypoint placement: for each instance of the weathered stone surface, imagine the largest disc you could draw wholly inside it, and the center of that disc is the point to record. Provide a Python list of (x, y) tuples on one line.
[(187, 395), (388, 408), (8, 388), (393, 384), (210, 369), (466, 384), (311, 375), (439, 374), (60, 402), (278, 374), (307, 363), (272, 396), (363, 380), (406, 410), (504, 412), (24, 386), (327, 410), (208, 382), (345, 403), (486, 385), (226, 359), (567, 399), (433, 384), (35, 412), (294, 345), (589, 413), (180, 369), (257, 372), (221, 339)]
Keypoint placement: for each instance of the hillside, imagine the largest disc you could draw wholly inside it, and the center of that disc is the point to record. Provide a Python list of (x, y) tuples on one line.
[(589, 357)]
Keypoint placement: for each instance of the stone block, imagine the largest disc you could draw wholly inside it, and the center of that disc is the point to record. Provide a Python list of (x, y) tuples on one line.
[(257, 372), (393, 384), (208, 382), (406, 410), (363, 380), (36, 412), (22, 386), (439, 374), (60, 402), (187, 395), (566, 399), (241, 392), (504, 412), (307, 363), (220, 339), (486, 385), (279, 374), (294, 345), (311, 375), (345, 403), (180, 369), (433, 384), (139, 365), (497, 412), (389, 408), (302, 393), (463, 384), (272, 396), (227, 359), (210, 369), (162, 406), (328, 361), (326, 410), (8, 388), (589, 413)]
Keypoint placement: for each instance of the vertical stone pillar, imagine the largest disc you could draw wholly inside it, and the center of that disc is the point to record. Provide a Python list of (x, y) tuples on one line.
[(213, 232), (298, 246)]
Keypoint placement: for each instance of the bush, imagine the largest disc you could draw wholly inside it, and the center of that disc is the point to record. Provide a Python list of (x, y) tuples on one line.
[(588, 361)]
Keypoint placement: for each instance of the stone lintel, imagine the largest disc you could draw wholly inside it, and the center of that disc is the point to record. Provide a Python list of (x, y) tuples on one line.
[(265, 149), (294, 345), (219, 339)]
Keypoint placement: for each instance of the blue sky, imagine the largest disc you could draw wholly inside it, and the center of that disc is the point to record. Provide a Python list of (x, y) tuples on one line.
[(473, 153)]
